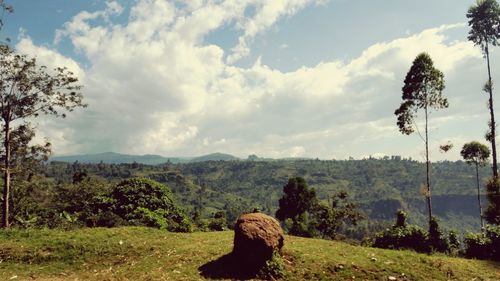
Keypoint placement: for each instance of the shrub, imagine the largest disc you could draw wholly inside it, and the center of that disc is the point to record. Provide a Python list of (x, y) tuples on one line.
[(273, 269), (146, 202), (454, 243), (218, 222), (437, 241), (150, 218), (410, 237), (484, 245), (476, 245)]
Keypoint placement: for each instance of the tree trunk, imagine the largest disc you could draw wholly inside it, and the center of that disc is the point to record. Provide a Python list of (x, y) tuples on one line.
[(429, 203), (492, 115), (6, 177), (479, 197)]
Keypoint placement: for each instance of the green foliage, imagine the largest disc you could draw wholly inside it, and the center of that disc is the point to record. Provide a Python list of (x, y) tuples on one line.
[(475, 153), (143, 201), (423, 87), (273, 269), (326, 221), (436, 239), (380, 186), (86, 200), (297, 199), (218, 222), (410, 237), (454, 243), (406, 236), (150, 218), (484, 20), (401, 219), (28, 90), (484, 245), (422, 90), (492, 213)]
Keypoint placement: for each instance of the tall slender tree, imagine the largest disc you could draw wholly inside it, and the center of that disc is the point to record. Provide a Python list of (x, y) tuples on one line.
[(476, 153), (26, 92), (423, 87), (484, 21)]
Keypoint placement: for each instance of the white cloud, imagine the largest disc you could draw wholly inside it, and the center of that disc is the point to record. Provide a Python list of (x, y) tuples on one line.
[(267, 13), (153, 86)]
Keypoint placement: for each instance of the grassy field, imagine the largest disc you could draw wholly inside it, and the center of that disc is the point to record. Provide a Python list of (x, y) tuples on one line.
[(135, 253)]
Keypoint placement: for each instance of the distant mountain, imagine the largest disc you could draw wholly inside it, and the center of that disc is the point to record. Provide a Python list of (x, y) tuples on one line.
[(214, 157), (149, 159), (116, 158)]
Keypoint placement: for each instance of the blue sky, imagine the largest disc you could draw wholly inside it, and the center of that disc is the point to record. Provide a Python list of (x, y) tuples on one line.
[(274, 78)]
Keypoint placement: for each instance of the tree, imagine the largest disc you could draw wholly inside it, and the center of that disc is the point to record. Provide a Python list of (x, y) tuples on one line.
[(423, 87), (297, 199), (484, 20), (328, 220), (476, 153), (147, 202), (26, 92)]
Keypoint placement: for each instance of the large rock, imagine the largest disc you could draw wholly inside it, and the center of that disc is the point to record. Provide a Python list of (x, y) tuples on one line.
[(256, 237)]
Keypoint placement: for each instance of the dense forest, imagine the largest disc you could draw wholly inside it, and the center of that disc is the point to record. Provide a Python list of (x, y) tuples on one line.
[(379, 186)]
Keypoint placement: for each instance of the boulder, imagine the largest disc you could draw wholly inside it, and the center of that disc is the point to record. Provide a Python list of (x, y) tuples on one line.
[(256, 237)]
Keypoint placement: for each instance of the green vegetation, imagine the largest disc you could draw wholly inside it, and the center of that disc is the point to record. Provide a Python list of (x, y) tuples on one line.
[(484, 21), (379, 186), (303, 215), (476, 153), (423, 87), (484, 245), (137, 253), (28, 90), (406, 236)]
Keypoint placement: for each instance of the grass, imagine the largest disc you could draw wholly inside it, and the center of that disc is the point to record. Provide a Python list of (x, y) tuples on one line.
[(136, 253)]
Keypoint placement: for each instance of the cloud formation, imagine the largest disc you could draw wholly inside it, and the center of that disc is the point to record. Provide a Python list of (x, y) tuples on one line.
[(155, 86)]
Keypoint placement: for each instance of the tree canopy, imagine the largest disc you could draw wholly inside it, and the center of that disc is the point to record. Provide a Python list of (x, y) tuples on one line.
[(26, 91), (484, 20)]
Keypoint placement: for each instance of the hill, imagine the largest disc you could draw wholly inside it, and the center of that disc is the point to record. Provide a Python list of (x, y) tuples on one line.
[(148, 159), (114, 158), (134, 253), (379, 186), (214, 157)]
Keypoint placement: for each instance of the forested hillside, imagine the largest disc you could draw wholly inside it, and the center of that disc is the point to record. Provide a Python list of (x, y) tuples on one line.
[(379, 186)]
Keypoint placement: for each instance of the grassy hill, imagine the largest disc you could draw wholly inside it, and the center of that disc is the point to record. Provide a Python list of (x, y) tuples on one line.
[(135, 253)]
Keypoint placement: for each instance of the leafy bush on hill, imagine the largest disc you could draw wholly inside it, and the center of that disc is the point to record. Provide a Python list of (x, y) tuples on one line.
[(484, 245)]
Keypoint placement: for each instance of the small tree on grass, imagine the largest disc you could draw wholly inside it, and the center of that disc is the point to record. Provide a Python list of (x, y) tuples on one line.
[(476, 153), (423, 87), (297, 199)]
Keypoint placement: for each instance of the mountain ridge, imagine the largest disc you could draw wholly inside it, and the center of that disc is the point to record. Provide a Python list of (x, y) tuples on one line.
[(148, 159)]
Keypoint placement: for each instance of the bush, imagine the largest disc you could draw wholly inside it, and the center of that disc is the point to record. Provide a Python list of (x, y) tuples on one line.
[(412, 237), (484, 245), (437, 241), (146, 202), (454, 243), (476, 245), (273, 269), (409, 237)]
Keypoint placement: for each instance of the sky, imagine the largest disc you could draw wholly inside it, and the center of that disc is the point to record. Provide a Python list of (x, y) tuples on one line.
[(280, 78)]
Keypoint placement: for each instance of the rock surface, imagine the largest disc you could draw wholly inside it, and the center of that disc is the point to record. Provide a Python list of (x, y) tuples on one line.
[(256, 237)]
